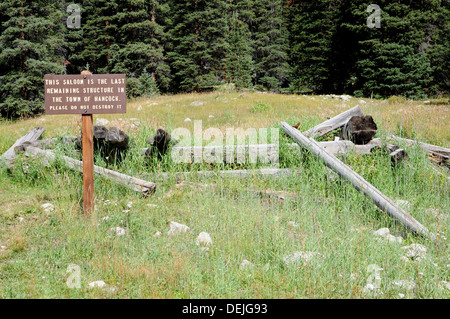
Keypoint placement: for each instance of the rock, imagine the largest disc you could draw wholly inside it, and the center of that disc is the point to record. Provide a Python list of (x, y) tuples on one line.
[(384, 233), (139, 108), (101, 122), (100, 132), (158, 234), (211, 116), (444, 284), (117, 138), (100, 284), (245, 264), (117, 231), (292, 224), (415, 251), (47, 207), (405, 284), (302, 257), (187, 119), (177, 228), (204, 241), (196, 103), (97, 284)]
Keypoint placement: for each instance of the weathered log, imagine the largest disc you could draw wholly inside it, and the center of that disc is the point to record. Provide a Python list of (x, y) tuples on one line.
[(139, 185), (438, 150), (383, 202), (437, 154), (334, 123), (266, 153), (31, 136), (359, 129)]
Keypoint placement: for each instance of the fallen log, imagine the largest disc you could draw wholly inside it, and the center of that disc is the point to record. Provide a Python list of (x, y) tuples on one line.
[(383, 202), (31, 136), (269, 194), (437, 154), (334, 123), (136, 184), (266, 153)]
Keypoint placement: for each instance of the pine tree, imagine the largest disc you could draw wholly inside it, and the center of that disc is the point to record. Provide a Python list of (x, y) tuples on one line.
[(388, 60), (239, 61), (32, 46), (139, 41), (312, 27), (270, 45), (94, 43), (198, 44)]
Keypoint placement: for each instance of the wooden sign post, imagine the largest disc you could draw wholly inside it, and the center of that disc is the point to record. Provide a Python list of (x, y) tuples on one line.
[(86, 94)]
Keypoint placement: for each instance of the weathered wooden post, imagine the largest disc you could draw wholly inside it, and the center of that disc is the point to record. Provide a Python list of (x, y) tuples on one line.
[(87, 137), (86, 94)]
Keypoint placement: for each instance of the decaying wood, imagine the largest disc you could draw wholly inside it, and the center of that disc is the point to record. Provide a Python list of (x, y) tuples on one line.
[(280, 195), (266, 153), (437, 154), (112, 138), (383, 202), (359, 129), (334, 123), (32, 136), (133, 183)]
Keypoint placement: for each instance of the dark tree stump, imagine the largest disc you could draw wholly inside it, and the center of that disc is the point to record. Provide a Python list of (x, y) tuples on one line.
[(159, 143), (359, 129)]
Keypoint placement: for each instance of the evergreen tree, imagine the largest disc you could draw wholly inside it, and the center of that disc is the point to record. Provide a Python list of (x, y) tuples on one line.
[(389, 60), (312, 27), (198, 44), (139, 41), (239, 61), (31, 46)]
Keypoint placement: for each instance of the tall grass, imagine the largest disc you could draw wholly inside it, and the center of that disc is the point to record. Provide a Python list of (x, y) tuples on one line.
[(330, 217)]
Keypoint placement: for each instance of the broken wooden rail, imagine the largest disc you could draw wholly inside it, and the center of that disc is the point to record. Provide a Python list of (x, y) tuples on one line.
[(269, 153), (31, 136), (383, 202), (136, 184), (334, 123)]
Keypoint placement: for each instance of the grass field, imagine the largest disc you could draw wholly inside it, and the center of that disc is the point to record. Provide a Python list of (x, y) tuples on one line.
[(331, 219)]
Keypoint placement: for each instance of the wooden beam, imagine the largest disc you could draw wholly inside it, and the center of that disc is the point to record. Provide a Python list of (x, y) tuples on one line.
[(334, 123), (383, 202), (87, 137), (31, 136), (136, 184)]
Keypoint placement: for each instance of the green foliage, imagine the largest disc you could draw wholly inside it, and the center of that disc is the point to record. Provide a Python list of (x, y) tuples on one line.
[(163, 46)]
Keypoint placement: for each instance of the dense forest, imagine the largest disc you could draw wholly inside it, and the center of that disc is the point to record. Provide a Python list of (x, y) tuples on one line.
[(172, 46)]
